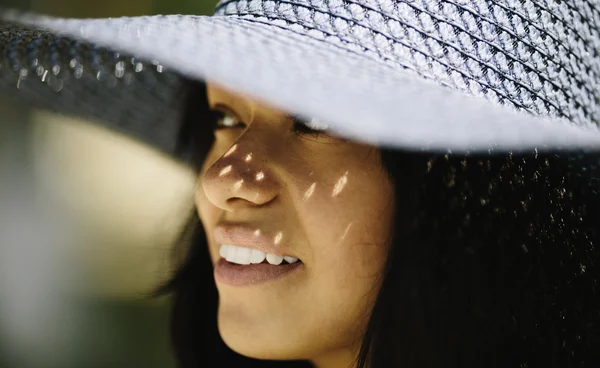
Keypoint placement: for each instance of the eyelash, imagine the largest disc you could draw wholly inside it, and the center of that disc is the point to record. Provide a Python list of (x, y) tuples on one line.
[(299, 126)]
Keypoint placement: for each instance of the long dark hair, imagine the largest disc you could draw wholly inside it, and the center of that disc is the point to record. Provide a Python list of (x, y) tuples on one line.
[(493, 263)]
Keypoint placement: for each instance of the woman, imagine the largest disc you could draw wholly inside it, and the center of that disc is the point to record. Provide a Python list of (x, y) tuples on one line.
[(328, 217), (364, 241), (405, 259)]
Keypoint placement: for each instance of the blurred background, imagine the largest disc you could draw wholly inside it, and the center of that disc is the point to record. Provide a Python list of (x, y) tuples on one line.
[(107, 207)]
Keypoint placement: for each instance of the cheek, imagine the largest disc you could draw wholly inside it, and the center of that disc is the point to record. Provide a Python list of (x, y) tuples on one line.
[(202, 203), (206, 210), (208, 213), (357, 261), (349, 233)]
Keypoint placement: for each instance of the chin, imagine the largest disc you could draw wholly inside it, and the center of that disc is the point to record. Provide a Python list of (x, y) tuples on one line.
[(260, 342)]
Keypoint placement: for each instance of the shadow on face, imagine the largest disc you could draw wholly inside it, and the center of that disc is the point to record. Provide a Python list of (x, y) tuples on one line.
[(297, 221)]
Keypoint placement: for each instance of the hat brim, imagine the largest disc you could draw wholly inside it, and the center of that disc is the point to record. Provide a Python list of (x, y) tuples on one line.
[(359, 96)]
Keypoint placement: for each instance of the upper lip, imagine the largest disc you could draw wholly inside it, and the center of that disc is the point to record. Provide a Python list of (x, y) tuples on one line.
[(244, 235)]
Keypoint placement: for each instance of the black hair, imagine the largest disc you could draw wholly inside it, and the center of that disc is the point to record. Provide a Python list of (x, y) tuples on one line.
[(493, 263)]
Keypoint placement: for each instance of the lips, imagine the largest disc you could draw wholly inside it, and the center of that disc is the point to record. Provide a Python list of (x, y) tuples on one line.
[(250, 237), (253, 274), (249, 257)]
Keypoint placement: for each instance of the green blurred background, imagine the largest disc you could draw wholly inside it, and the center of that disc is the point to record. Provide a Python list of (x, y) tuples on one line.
[(112, 8), (120, 259)]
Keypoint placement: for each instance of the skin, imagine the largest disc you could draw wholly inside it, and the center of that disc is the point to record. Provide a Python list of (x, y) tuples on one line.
[(330, 201)]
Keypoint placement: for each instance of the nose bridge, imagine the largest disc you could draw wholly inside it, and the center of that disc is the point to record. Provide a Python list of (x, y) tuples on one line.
[(242, 176)]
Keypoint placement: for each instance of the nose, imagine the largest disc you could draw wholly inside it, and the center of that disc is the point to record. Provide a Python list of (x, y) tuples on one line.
[(240, 177)]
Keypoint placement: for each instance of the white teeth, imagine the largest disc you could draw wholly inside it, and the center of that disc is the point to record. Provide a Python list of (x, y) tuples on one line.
[(230, 256), (224, 250), (274, 259), (242, 256), (257, 256), (246, 256)]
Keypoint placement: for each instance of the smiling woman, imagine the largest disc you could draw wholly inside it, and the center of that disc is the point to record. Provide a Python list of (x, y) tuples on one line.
[(253, 195), (380, 183), (341, 254)]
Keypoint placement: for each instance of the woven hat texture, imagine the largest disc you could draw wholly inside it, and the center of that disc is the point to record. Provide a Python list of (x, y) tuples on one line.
[(423, 74), (468, 75)]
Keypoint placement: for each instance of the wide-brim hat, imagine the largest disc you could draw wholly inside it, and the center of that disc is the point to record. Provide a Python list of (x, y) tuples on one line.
[(437, 75), (458, 76)]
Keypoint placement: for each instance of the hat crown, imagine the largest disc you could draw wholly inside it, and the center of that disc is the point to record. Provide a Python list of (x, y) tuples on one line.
[(541, 56)]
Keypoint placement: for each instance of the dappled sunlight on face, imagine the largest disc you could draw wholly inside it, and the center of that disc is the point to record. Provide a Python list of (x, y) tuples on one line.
[(230, 151), (226, 170), (278, 238), (340, 185), (238, 185), (346, 231), (318, 202), (309, 192)]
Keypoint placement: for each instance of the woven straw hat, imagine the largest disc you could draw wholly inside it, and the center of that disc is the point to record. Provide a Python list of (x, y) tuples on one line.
[(436, 75), (460, 75)]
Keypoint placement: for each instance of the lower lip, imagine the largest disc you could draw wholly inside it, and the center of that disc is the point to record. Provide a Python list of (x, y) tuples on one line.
[(253, 274)]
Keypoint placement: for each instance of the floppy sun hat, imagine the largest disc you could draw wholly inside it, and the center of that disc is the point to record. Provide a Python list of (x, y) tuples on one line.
[(436, 75), (459, 75)]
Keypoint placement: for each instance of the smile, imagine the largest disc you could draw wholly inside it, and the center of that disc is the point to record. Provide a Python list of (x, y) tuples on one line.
[(242, 266), (246, 256)]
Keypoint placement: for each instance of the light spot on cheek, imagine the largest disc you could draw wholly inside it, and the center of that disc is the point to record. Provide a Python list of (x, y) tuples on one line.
[(260, 176), (238, 185), (231, 150), (309, 192), (346, 231), (257, 232), (339, 186), (248, 157), (225, 171), (278, 238)]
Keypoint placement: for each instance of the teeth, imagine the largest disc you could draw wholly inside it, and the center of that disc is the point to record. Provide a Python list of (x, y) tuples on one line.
[(290, 259), (242, 256), (274, 259), (224, 250), (231, 251), (257, 256), (246, 256)]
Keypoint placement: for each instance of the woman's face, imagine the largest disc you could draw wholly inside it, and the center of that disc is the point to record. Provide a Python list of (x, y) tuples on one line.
[(274, 192)]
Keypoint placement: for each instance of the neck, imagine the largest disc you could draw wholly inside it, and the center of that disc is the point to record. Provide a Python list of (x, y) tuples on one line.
[(344, 358)]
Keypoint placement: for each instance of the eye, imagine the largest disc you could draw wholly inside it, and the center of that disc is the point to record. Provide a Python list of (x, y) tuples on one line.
[(224, 119), (312, 126)]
